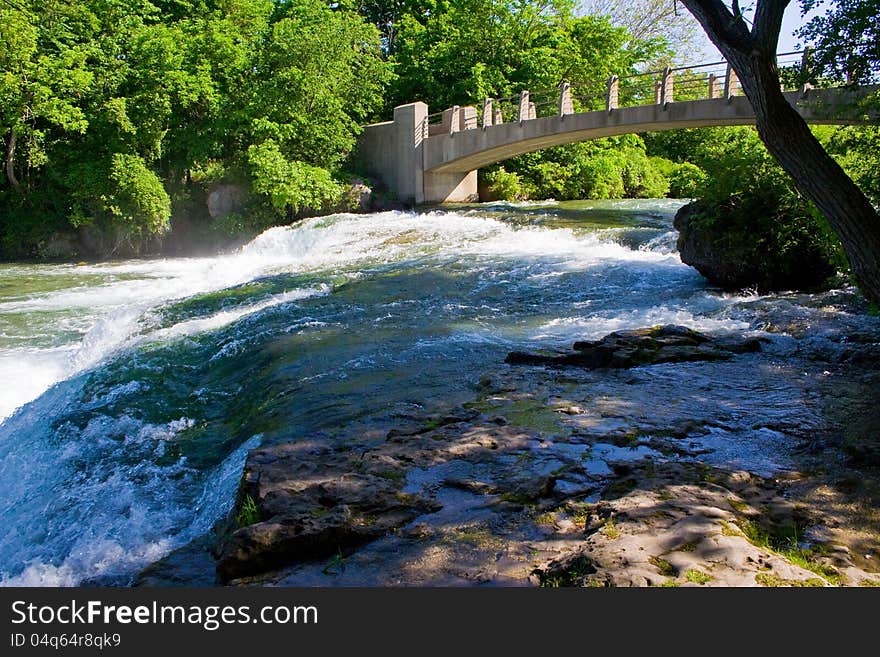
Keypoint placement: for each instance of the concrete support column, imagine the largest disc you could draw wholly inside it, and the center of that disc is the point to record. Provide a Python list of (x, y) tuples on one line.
[(612, 93), (406, 164)]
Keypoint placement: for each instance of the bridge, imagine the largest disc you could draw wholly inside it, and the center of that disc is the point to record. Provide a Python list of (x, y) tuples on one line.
[(434, 158)]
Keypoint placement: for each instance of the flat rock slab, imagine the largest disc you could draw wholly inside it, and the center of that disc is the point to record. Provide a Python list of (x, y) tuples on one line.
[(649, 346)]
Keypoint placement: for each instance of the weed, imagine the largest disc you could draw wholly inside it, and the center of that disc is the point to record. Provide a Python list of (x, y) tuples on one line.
[(573, 572), (738, 505), (784, 542), (335, 566), (663, 566), (248, 513), (697, 577), (768, 579), (690, 546), (670, 584), (610, 530), (548, 518)]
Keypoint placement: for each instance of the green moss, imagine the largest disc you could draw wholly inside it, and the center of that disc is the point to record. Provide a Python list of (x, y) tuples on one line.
[(576, 572), (690, 546), (869, 582), (783, 541), (769, 579), (548, 518), (738, 505), (697, 576), (670, 584), (663, 566)]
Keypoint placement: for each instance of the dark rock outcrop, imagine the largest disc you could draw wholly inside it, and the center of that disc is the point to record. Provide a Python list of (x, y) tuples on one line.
[(625, 349), (311, 505), (734, 250)]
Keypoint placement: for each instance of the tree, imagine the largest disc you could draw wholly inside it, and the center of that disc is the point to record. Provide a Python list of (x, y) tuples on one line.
[(751, 52), (651, 20), (846, 39)]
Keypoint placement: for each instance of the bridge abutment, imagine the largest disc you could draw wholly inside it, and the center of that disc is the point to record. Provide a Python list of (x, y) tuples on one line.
[(394, 152)]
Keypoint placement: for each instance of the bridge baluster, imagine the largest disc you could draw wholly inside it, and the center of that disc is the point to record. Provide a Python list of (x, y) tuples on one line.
[(487, 113), (612, 93), (658, 92), (467, 118), (523, 106), (713, 86), (499, 116), (565, 104), (667, 86), (451, 120), (730, 82)]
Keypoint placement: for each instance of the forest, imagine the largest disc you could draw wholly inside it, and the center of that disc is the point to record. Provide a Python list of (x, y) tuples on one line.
[(119, 117)]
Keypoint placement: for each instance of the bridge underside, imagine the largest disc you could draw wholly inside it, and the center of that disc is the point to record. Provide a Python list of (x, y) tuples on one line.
[(443, 168)]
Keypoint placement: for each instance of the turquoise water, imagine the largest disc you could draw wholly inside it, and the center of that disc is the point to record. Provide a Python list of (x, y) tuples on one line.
[(135, 388)]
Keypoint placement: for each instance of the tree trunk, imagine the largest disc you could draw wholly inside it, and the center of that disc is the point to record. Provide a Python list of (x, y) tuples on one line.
[(10, 162), (752, 54), (788, 139)]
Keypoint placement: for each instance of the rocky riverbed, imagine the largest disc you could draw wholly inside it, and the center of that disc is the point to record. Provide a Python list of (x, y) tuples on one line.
[(546, 479)]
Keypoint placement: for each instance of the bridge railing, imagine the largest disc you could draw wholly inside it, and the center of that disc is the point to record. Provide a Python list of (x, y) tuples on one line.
[(679, 84)]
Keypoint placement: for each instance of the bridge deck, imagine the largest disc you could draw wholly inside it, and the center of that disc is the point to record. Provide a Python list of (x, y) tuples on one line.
[(471, 149)]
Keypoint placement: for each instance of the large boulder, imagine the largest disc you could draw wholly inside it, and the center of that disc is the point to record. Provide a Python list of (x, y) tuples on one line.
[(737, 248)]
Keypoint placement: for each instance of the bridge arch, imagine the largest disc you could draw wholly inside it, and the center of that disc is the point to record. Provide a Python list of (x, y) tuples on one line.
[(425, 163)]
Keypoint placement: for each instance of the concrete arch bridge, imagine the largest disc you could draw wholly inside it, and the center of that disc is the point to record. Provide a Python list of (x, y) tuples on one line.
[(434, 158)]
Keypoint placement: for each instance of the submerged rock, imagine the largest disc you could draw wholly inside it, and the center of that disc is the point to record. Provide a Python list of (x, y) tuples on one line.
[(648, 346)]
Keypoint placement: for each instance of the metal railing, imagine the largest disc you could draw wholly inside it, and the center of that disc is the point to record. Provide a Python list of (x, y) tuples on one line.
[(679, 84)]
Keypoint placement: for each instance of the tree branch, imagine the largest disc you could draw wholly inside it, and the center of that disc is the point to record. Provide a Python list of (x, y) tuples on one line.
[(768, 21), (10, 162), (722, 26)]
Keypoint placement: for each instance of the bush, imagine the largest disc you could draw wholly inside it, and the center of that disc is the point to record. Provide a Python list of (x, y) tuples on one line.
[(500, 185), (289, 184), (751, 228)]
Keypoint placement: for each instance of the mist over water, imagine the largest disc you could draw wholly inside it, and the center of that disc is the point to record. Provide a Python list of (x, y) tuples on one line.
[(134, 389)]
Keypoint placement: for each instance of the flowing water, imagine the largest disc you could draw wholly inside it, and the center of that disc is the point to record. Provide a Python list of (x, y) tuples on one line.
[(133, 390)]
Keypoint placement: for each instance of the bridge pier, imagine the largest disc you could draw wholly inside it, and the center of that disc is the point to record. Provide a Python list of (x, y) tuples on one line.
[(394, 152)]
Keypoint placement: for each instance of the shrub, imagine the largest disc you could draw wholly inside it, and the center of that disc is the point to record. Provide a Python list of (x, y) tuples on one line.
[(500, 185)]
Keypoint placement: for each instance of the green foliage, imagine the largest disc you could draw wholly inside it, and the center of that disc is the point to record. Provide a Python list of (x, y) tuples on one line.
[(857, 149), (684, 178), (112, 108), (499, 185), (473, 49), (846, 38), (290, 184), (614, 167)]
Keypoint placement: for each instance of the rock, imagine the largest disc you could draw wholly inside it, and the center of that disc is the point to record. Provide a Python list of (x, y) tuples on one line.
[(314, 507), (625, 349), (736, 251), (223, 200), (357, 197)]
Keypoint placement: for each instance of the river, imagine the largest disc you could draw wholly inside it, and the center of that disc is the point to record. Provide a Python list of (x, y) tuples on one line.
[(132, 390)]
